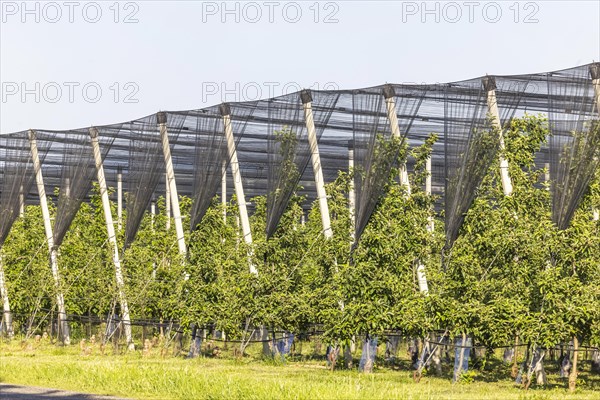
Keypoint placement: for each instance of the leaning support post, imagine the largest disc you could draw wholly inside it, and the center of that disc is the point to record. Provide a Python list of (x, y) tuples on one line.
[(60, 300), (389, 94), (21, 202), (306, 98), (172, 186), (224, 190), (489, 84), (595, 74), (167, 203), (421, 277), (430, 224), (152, 214), (351, 193), (112, 238), (225, 110), (119, 198), (7, 315)]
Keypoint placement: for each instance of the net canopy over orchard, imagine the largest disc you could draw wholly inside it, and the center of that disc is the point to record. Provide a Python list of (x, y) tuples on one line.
[(318, 210), (274, 153)]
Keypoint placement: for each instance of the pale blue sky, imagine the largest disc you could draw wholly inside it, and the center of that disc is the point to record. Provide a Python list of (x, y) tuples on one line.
[(180, 55)]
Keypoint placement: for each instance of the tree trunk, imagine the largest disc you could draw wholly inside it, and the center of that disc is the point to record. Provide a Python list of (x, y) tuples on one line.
[(195, 343), (347, 356), (369, 351), (89, 324), (436, 358), (596, 361), (573, 375), (515, 367), (459, 368), (8, 325), (540, 372), (264, 336), (332, 356)]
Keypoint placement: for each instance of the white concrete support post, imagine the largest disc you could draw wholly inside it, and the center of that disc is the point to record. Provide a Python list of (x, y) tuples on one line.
[(112, 238), (167, 203), (60, 300), (6, 314), (237, 234), (351, 193), (152, 216), (421, 276), (489, 84), (152, 213), (595, 74), (547, 175), (237, 182), (224, 190), (68, 186), (21, 202), (164, 136), (306, 98), (430, 225), (390, 103), (119, 198)]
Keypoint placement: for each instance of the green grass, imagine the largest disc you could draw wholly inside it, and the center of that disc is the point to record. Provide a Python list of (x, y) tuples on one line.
[(151, 376)]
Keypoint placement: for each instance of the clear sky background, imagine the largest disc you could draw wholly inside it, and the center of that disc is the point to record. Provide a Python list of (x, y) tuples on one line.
[(146, 56)]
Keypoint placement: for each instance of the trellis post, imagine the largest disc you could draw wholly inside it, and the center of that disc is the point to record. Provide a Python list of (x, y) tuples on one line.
[(53, 253), (489, 85), (119, 198), (595, 74), (167, 203), (21, 202), (225, 110), (306, 98), (421, 276), (224, 190), (172, 186), (7, 315), (112, 238), (390, 103), (351, 193)]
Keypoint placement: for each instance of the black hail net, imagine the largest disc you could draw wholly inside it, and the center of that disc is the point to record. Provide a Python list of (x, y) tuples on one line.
[(470, 147), (249, 129), (17, 178), (77, 173), (373, 155), (510, 95), (575, 140), (146, 167), (288, 147), (454, 110), (429, 119), (211, 162)]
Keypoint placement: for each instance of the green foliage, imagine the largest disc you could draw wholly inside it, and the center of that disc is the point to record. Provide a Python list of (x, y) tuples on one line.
[(511, 271)]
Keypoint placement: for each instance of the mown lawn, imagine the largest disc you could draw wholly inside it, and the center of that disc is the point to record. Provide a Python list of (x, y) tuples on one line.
[(152, 376)]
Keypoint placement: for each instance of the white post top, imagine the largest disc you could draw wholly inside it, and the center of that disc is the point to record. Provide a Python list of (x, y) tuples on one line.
[(161, 119), (225, 110), (489, 85), (306, 98), (389, 95)]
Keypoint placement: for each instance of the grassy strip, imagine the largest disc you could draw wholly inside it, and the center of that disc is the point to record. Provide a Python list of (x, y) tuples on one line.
[(153, 377)]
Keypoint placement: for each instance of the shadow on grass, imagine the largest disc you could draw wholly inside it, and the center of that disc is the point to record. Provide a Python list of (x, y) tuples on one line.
[(16, 392)]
